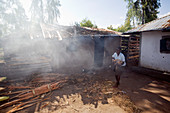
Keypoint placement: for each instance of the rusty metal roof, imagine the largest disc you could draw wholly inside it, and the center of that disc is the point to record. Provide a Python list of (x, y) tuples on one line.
[(158, 24)]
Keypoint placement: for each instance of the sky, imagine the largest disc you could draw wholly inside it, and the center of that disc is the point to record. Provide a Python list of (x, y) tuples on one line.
[(101, 12)]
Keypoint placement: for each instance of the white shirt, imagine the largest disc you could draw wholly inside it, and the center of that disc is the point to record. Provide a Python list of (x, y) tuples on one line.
[(120, 57)]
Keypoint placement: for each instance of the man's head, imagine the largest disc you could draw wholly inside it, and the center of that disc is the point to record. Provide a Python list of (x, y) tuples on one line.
[(118, 50)]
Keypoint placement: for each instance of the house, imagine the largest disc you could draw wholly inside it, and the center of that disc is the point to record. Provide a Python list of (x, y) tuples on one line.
[(66, 49), (154, 44), (83, 48)]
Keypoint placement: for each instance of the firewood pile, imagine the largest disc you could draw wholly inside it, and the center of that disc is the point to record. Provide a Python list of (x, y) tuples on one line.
[(39, 88), (22, 96)]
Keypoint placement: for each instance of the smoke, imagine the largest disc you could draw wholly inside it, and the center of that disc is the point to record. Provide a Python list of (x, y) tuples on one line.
[(25, 56), (59, 50), (73, 54)]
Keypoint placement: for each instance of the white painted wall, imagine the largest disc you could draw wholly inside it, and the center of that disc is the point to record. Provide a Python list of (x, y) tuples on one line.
[(150, 51)]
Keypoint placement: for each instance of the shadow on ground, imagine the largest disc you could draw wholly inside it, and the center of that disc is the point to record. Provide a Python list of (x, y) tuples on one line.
[(149, 94)]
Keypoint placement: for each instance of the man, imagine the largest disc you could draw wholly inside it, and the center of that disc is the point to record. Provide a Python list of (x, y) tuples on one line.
[(118, 60)]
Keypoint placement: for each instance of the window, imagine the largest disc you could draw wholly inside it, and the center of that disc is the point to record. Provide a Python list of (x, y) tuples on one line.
[(165, 44)]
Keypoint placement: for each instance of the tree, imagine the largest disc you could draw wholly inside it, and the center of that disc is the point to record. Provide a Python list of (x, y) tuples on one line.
[(77, 24), (127, 26), (52, 11), (12, 16), (139, 12), (142, 11), (45, 11), (149, 9), (111, 28), (87, 23), (37, 13)]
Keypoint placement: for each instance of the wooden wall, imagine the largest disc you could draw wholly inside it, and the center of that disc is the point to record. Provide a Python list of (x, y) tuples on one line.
[(131, 49)]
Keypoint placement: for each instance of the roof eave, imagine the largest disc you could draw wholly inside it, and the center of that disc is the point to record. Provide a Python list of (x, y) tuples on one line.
[(137, 32), (128, 33)]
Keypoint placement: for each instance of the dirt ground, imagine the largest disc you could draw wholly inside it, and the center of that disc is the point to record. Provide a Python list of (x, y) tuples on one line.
[(149, 94), (93, 92)]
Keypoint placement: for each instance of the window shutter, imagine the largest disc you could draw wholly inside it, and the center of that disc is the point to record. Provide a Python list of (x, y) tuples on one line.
[(163, 45)]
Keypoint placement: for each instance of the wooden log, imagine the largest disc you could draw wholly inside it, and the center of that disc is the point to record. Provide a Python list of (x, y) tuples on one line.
[(28, 105), (42, 89), (17, 108), (133, 41), (19, 87), (17, 96), (16, 92), (131, 57), (44, 105), (134, 38), (125, 39), (10, 103), (134, 49), (1, 88), (124, 44), (133, 45), (35, 92), (131, 53)]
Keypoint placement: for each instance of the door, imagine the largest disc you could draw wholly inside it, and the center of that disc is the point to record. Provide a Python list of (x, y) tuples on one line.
[(98, 51)]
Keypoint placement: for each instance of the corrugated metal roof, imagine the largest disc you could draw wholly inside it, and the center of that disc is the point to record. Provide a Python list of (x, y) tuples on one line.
[(157, 24)]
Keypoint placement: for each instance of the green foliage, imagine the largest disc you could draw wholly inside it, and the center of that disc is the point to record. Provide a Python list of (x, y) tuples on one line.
[(87, 23), (149, 9), (139, 12), (111, 28), (122, 28), (142, 11), (77, 24)]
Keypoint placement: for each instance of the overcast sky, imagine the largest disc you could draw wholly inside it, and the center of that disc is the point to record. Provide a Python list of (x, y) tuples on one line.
[(101, 12)]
